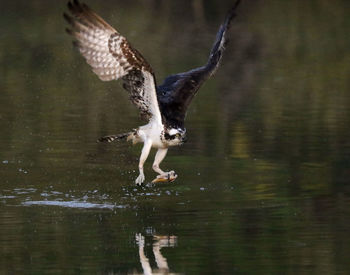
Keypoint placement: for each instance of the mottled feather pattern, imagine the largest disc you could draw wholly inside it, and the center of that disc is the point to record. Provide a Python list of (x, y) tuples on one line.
[(134, 57), (112, 57), (114, 137), (92, 34)]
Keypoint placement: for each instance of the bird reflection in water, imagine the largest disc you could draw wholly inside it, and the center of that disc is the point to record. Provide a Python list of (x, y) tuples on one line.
[(158, 243)]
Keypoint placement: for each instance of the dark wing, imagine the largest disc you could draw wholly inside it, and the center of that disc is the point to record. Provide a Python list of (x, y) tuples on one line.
[(178, 90), (111, 57)]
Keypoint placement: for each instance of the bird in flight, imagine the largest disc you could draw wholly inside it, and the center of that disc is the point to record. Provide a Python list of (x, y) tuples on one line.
[(163, 107)]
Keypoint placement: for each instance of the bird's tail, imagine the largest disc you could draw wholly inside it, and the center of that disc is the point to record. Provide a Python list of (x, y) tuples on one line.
[(221, 40), (115, 137)]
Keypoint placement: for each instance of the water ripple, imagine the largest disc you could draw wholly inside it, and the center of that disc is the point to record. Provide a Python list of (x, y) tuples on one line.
[(74, 204)]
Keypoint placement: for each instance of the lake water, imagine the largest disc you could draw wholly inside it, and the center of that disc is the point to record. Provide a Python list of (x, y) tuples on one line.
[(263, 184)]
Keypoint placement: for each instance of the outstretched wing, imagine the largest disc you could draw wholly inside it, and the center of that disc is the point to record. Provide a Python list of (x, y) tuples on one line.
[(111, 57), (178, 90)]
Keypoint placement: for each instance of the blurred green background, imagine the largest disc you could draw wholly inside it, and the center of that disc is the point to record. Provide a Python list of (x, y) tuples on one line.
[(263, 180)]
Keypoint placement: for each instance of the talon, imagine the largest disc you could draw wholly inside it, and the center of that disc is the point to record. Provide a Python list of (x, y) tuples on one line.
[(140, 179)]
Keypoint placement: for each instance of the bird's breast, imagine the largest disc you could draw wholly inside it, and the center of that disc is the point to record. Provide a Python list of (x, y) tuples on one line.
[(154, 132), (157, 141)]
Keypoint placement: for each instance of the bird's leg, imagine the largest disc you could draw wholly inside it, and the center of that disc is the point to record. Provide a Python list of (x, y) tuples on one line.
[(169, 176), (160, 155), (140, 240), (160, 259), (144, 154)]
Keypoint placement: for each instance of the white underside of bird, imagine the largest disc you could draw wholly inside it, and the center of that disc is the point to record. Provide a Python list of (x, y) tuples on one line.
[(151, 136)]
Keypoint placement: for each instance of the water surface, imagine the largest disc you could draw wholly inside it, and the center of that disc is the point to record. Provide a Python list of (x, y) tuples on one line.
[(263, 180)]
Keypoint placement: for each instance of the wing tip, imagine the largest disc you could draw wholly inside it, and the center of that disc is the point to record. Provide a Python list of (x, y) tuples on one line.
[(231, 14), (67, 18), (221, 40), (69, 31), (77, 8)]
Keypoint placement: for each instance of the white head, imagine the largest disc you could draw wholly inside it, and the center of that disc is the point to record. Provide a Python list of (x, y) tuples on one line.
[(174, 136)]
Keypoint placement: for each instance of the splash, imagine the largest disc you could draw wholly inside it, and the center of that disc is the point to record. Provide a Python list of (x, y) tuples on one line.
[(74, 204)]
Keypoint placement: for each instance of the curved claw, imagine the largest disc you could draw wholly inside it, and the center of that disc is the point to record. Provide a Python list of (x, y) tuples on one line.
[(140, 179)]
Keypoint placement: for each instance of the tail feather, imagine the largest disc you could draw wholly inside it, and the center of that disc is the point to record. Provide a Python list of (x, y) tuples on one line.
[(114, 137)]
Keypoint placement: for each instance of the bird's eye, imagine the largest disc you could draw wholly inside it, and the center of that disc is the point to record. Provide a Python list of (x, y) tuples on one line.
[(178, 135)]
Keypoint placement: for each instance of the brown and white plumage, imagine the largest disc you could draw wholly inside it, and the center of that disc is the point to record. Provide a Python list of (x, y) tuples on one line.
[(112, 57)]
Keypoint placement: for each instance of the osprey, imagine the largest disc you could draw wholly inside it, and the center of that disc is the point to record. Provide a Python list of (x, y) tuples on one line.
[(164, 107)]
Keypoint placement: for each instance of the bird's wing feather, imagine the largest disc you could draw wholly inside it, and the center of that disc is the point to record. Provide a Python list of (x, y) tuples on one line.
[(178, 90), (112, 57)]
